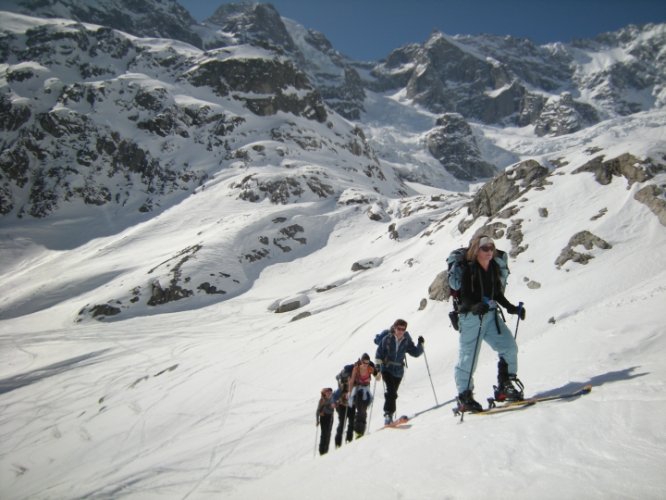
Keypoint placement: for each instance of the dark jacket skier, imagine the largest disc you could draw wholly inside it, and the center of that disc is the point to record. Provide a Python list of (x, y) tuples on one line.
[(392, 347), (480, 319), (325, 410)]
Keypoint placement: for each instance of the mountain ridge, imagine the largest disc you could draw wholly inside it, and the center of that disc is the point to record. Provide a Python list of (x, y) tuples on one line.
[(102, 126)]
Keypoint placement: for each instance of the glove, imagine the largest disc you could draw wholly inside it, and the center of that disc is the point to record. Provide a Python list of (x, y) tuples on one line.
[(480, 309), (421, 339), (378, 375), (520, 311)]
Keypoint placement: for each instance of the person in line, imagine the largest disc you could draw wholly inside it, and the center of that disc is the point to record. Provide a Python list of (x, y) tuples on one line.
[(392, 347), (360, 396), (480, 319), (325, 409), (346, 416), (344, 410)]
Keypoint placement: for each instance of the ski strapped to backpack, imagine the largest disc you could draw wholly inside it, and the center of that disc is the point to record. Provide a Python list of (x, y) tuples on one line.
[(456, 263)]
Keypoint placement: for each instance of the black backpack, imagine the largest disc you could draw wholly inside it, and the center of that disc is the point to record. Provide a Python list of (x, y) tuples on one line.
[(343, 377)]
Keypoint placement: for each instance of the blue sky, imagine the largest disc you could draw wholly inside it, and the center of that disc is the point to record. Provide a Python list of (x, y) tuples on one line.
[(370, 29)]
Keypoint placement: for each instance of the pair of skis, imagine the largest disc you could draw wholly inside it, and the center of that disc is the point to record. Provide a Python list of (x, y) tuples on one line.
[(400, 423), (524, 403)]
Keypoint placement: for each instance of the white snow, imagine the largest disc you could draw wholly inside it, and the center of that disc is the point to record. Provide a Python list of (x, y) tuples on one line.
[(216, 398), (219, 401)]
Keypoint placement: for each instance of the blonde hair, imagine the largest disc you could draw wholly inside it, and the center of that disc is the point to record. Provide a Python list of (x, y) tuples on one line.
[(474, 245)]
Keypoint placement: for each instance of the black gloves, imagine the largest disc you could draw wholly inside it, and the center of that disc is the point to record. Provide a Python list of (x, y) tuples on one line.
[(520, 311), (480, 309), (421, 339)]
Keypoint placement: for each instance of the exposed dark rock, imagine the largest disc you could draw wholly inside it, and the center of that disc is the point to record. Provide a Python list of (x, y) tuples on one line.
[(365, 264), (653, 197), (210, 289), (12, 115), (508, 186), (304, 314), (588, 241), (625, 165), (143, 18), (439, 289), (562, 115), (601, 213), (515, 234), (99, 311), (289, 305), (173, 292), (264, 85), (453, 144), (252, 23)]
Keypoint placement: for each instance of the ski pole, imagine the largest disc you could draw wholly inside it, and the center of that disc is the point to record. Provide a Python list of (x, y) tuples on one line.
[(316, 435), (471, 368), (520, 307), (430, 376), (372, 403)]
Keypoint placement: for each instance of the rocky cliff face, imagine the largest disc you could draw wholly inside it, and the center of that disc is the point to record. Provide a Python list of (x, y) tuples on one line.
[(145, 18), (452, 143), (90, 114), (557, 88), (261, 25)]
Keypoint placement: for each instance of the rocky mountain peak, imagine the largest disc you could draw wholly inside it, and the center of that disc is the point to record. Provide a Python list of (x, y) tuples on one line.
[(253, 23), (143, 18)]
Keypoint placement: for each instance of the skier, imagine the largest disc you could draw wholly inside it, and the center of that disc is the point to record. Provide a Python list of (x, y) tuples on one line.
[(325, 409), (345, 414), (342, 407), (359, 395), (392, 346), (480, 319)]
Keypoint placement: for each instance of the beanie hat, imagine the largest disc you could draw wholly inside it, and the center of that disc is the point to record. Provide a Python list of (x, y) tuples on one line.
[(486, 240)]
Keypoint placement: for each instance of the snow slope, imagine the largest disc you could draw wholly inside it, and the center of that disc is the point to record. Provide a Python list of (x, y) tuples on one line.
[(219, 401)]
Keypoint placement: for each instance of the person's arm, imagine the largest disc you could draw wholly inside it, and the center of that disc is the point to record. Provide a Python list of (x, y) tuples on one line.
[(414, 350), (380, 354), (319, 407)]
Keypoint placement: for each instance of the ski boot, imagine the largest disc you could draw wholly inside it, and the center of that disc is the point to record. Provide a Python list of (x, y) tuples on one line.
[(466, 402), (388, 418), (507, 391)]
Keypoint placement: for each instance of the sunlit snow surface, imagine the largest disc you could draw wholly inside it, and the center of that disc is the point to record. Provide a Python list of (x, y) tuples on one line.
[(217, 398)]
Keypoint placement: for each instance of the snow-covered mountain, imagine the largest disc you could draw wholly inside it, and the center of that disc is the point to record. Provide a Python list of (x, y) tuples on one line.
[(194, 240)]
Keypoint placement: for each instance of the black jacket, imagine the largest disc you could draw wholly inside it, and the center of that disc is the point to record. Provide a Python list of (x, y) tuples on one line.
[(477, 284)]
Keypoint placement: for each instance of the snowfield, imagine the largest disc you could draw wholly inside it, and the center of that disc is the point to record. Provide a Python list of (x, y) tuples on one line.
[(215, 396), (219, 401)]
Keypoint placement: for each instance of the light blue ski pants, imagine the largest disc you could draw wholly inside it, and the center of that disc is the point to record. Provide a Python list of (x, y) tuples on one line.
[(501, 341)]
